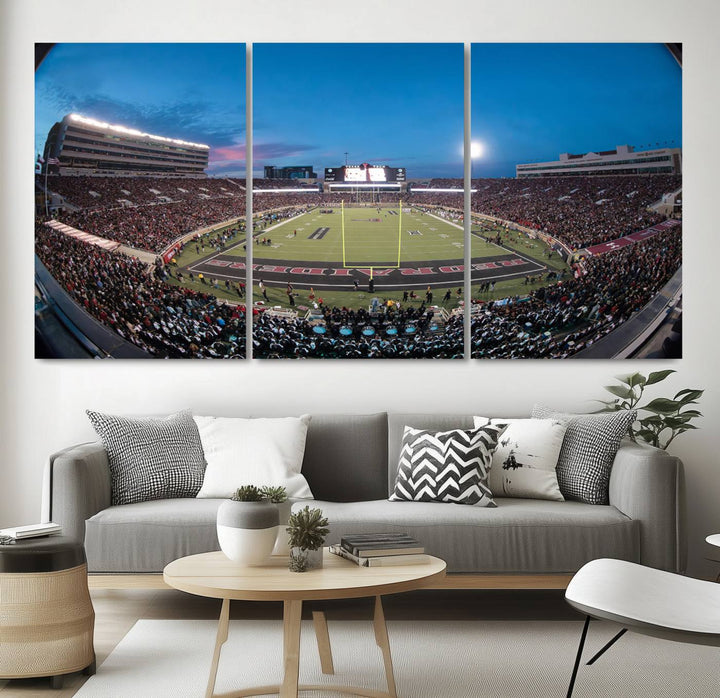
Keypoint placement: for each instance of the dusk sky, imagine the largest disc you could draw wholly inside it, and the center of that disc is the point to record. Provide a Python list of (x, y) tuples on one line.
[(193, 92), (386, 104), (394, 104), (531, 102)]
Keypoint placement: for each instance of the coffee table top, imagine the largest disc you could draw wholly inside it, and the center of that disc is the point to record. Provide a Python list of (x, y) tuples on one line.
[(215, 576)]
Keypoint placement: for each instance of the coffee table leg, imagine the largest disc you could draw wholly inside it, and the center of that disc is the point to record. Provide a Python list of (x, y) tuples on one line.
[(323, 642), (383, 642), (222, 634), (292, 614)]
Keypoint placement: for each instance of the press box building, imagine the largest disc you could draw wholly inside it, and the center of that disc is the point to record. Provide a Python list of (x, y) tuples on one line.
[(78, 145), (623, 160)]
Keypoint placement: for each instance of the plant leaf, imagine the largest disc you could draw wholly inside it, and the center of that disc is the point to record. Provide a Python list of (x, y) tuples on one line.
[(620, 391), (657, 376), (688, 396), (662, 405)]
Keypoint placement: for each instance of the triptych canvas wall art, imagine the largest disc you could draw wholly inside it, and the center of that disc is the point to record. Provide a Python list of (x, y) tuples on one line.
[(353, 234)]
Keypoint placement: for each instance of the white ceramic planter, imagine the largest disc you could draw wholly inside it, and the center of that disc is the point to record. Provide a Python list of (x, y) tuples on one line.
[(282, 541), (247, 531)]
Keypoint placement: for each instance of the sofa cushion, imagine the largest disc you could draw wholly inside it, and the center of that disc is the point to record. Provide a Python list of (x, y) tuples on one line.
[(396, 424), (146, 536), (149, 457), (263, 451), (519, 536), (525, 460), (446, 466), (588, 451), (346, 457)]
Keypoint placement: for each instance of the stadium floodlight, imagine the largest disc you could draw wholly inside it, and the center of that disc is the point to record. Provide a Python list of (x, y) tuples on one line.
[(303, 190), (132, 131), (477, 150)]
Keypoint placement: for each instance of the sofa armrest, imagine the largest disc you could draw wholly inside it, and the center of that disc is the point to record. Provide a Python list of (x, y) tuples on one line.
[(647, 485), (76, 487)]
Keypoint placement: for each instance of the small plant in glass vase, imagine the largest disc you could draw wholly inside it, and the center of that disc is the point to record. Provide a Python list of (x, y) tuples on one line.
[(667, 418), (307, 529)]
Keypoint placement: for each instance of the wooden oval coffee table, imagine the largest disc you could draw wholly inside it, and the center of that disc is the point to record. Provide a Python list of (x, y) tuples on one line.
[(213, 575)]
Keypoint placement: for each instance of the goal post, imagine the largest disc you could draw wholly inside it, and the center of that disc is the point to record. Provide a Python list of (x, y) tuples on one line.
[(395, 264)]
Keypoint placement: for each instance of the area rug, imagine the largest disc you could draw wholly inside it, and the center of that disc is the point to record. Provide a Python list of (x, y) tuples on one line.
[(437, 659)]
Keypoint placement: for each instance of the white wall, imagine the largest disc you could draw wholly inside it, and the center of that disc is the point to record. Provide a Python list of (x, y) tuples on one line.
[(43, 402)]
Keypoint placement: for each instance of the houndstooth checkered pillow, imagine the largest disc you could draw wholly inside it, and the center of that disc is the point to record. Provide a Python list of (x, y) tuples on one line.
[(588, 451), (151, 458)]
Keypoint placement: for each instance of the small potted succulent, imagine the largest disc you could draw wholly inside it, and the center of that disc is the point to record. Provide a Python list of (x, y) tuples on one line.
[(278, 496), (247, 524), (307, 529)]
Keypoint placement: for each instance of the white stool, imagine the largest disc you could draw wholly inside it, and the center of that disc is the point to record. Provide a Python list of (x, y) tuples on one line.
[(646, 601)]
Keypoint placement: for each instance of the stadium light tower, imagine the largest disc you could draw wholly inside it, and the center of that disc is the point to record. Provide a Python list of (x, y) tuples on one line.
[(477, 149)]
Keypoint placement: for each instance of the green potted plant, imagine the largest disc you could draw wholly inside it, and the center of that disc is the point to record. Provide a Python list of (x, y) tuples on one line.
[(278, 496), (306, 529), (666, 418), (247, 525)]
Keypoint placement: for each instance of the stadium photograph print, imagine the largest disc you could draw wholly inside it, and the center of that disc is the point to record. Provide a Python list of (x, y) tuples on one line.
[(140, 174), (360, 253), (576, 200)]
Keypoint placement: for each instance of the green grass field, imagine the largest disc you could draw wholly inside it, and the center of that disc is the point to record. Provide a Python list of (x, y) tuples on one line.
[(366, 240)]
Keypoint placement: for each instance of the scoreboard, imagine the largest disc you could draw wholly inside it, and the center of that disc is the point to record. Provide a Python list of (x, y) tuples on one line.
[(365, 173)]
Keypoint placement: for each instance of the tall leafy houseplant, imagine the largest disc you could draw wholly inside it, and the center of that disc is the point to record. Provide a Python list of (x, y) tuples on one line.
[(667, 418)]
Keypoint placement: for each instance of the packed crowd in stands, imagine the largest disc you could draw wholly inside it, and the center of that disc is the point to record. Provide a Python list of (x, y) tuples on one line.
[(560, 320), (122, 293), (167, 321), (154, 226), (359, 334), (110, 192), (261, 183), (580, 211)]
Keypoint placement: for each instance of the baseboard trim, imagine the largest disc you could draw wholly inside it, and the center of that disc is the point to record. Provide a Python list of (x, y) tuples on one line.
[(451, 581)]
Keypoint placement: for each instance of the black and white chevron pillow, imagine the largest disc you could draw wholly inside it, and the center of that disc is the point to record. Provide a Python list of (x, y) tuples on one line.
[(151, 458), (446, 466)]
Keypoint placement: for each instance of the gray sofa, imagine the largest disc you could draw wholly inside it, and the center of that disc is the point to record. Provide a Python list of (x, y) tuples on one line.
[(350, 463)]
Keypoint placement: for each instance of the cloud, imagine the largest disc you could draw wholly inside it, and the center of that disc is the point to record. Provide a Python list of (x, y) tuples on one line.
[(266, 151), (197, 121)]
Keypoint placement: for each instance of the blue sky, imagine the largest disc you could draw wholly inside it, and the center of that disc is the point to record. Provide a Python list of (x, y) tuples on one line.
[(531, 102), (394, 104), (387, 104), (194, 92)]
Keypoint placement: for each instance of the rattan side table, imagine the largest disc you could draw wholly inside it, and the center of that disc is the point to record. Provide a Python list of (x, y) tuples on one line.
[(46, 616)]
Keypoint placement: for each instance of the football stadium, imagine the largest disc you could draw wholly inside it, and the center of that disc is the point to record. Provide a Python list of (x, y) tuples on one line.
[(141, 254)]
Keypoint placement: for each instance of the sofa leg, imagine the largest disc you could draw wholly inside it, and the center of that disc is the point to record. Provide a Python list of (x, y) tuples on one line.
[(578, 657), (56, 682)]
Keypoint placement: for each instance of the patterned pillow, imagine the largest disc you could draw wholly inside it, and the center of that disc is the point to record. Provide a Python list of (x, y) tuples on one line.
[(588, 451), (524, 462), (151, 458), (446, 466)]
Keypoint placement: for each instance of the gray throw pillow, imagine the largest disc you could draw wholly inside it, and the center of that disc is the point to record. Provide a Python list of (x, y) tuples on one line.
[(151, 458), (588, 451), (446, 466)]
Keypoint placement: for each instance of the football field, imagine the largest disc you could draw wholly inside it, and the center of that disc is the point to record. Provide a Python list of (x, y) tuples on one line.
[(363, 237)]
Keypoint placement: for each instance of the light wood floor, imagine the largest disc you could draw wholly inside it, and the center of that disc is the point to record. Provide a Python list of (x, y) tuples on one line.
[(117, 610)]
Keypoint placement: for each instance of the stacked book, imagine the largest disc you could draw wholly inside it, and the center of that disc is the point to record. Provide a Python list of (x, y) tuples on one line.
[(31, 531), (380, 549)]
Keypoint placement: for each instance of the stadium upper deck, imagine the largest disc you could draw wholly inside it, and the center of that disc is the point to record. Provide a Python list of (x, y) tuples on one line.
[(78, 145)]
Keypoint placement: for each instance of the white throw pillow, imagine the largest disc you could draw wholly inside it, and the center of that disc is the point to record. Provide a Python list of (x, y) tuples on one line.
[(253, 452), (525, 460)]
